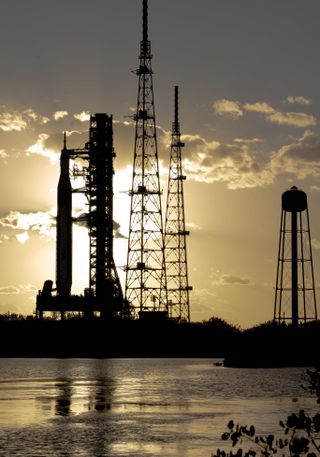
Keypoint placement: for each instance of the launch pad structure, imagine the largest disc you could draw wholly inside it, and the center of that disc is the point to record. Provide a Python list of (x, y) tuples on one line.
[(104, 296), (146, 293)]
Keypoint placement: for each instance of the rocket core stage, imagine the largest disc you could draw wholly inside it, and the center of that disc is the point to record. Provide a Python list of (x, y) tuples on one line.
[(64, 227)]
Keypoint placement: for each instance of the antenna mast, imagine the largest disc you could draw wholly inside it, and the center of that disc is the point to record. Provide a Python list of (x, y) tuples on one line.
[(145, 272), (175, 229)]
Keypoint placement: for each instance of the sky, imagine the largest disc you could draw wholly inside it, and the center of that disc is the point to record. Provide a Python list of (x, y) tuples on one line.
[(248, 74)]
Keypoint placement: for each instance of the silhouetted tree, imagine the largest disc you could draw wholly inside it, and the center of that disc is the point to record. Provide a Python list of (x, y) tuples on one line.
[(221, 325), (301, 433), (11, 317)]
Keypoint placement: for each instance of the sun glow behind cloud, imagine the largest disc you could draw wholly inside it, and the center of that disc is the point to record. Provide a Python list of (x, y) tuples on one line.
[(39, 222), (40, 148)]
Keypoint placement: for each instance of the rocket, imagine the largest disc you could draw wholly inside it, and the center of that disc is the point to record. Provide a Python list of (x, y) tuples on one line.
[(64, 227)]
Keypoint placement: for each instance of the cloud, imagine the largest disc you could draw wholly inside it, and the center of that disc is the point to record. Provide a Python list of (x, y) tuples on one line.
[(235, 280), (41, 222), (248, 140), (298, 100), (293, 119), (17, 290), (40, 148), (192, 226), (9, 290), (234, 109), (4, 238), (223, 279), (259, 107), (18, 121), (22, 237), (12, 121), (243, 164), (228, 108), (83, 116), (31, 114), (234, 164), (3, 155), (301, 157), (60, 114), (44, 120)]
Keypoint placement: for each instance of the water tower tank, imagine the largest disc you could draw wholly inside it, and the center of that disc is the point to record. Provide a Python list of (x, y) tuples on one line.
[(294, 200)]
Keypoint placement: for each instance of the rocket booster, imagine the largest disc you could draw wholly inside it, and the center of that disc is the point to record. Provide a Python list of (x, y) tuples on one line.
[(64, 227)]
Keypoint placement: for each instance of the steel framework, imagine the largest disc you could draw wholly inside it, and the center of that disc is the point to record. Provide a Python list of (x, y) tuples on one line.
[(295, 298), (104, 280), (104, 294), (145, 270), (175, 228)]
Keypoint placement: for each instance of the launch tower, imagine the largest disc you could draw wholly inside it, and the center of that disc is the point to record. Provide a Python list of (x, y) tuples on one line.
[(104, 281), (175, 228), (104, 296), (295, 298), (145, 270)]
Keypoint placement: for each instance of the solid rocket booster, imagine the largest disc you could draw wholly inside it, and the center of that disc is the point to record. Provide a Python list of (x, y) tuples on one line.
[(64, 227)]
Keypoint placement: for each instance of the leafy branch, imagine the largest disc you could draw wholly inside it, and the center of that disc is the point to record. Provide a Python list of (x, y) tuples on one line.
[(301, 434)]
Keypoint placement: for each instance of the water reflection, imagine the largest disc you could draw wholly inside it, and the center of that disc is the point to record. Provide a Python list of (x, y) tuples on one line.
[(136, 407), (76, 396), (63, 399), (103, 395)]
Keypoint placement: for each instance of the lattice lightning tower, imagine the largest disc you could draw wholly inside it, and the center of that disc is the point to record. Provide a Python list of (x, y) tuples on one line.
[(175, 229), (145, 273)]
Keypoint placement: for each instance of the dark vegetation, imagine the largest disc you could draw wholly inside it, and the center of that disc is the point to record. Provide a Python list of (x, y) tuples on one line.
[(300, 437), (265, 345), (272, 345), (27, 337)]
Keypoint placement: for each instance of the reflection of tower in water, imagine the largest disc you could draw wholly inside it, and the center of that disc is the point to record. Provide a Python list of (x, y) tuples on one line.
[(295, 298), (75, 396), (63, 398)]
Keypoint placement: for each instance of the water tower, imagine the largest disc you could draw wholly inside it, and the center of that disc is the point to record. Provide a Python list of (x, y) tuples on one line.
[(295, 298)]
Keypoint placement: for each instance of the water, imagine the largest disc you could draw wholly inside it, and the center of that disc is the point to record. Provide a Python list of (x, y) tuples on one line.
[(137, 407)]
